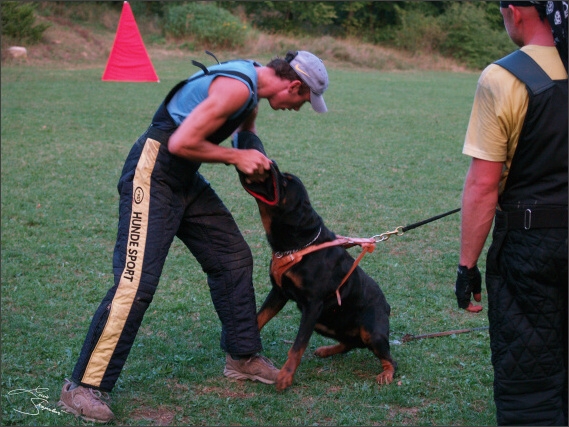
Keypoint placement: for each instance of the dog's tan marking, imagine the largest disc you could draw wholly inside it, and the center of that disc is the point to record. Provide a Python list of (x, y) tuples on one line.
[(330, 350), (294, 278), (325, 330), (365, 336), (264, 316), (265, 218)]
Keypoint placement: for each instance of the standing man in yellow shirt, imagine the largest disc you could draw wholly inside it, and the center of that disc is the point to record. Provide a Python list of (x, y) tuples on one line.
[(517, 138)]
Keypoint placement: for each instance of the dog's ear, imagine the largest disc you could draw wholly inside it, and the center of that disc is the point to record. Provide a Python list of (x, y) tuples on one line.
[(267, 191)]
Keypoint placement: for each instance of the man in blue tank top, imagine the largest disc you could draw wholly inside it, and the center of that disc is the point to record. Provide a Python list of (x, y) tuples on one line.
[(162, 196)]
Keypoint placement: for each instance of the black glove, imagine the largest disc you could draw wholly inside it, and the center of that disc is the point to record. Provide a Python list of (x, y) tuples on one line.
[(468, 281)]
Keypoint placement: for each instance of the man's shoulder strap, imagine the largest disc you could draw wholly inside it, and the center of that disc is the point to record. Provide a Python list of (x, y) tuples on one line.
[(222, 71), (207, 72), (521, 65)]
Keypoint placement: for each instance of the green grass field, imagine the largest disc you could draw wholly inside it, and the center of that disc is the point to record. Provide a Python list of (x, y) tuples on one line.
[(387, 154)]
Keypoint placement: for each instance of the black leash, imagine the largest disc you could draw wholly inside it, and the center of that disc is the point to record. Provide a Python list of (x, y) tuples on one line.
[(418, 224), (400, 230)]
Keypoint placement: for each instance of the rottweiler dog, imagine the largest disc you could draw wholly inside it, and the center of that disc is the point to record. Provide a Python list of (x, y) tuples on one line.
[(357, 317)]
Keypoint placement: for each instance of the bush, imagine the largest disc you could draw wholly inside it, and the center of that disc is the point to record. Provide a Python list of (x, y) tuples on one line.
[(465, 31), (471, 37), (206, 24), (18, 21), (297, 18), (418, 32)]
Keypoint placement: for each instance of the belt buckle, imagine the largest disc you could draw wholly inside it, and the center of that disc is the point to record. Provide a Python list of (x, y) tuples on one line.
[(527, 219)]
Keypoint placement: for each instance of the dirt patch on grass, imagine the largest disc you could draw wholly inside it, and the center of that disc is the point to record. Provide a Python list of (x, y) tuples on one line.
[(224, 392), (407, 416), (160, 416)]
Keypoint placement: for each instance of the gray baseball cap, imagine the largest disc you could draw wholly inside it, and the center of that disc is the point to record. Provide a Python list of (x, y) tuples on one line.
[(312, 71)]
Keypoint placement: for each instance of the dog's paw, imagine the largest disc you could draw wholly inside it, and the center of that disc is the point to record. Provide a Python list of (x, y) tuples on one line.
[(385, 378), (284, 380)]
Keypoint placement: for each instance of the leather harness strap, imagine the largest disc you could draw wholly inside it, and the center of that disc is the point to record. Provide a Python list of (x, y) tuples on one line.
[(366, 247), (282, 263)]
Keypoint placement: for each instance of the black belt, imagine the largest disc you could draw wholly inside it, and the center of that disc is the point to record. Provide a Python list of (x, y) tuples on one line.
[(530, 218)]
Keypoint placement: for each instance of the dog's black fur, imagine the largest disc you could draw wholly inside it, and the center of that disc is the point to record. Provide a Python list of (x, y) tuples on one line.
[(290, 222)]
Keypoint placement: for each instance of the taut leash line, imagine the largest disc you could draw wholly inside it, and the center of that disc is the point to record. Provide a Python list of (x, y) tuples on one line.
[(400, 230), (418, 224)]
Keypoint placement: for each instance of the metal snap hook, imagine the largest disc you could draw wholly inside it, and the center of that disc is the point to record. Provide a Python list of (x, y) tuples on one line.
[(385, 236)]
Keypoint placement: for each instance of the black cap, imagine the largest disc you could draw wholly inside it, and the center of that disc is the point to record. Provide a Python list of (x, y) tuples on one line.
[(505, 4)]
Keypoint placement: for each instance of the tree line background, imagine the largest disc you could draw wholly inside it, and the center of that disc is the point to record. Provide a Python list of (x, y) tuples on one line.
[(471, 32)]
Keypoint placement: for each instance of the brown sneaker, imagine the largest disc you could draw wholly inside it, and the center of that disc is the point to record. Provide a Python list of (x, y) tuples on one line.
[(86, 403), (256, 368)]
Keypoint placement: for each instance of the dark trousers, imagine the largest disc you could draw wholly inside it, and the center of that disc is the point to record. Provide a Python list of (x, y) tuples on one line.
[(162, 197), (526, 277)]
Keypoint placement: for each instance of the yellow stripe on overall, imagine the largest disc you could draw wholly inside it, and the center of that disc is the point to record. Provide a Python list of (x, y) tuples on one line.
[(130, 278)]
